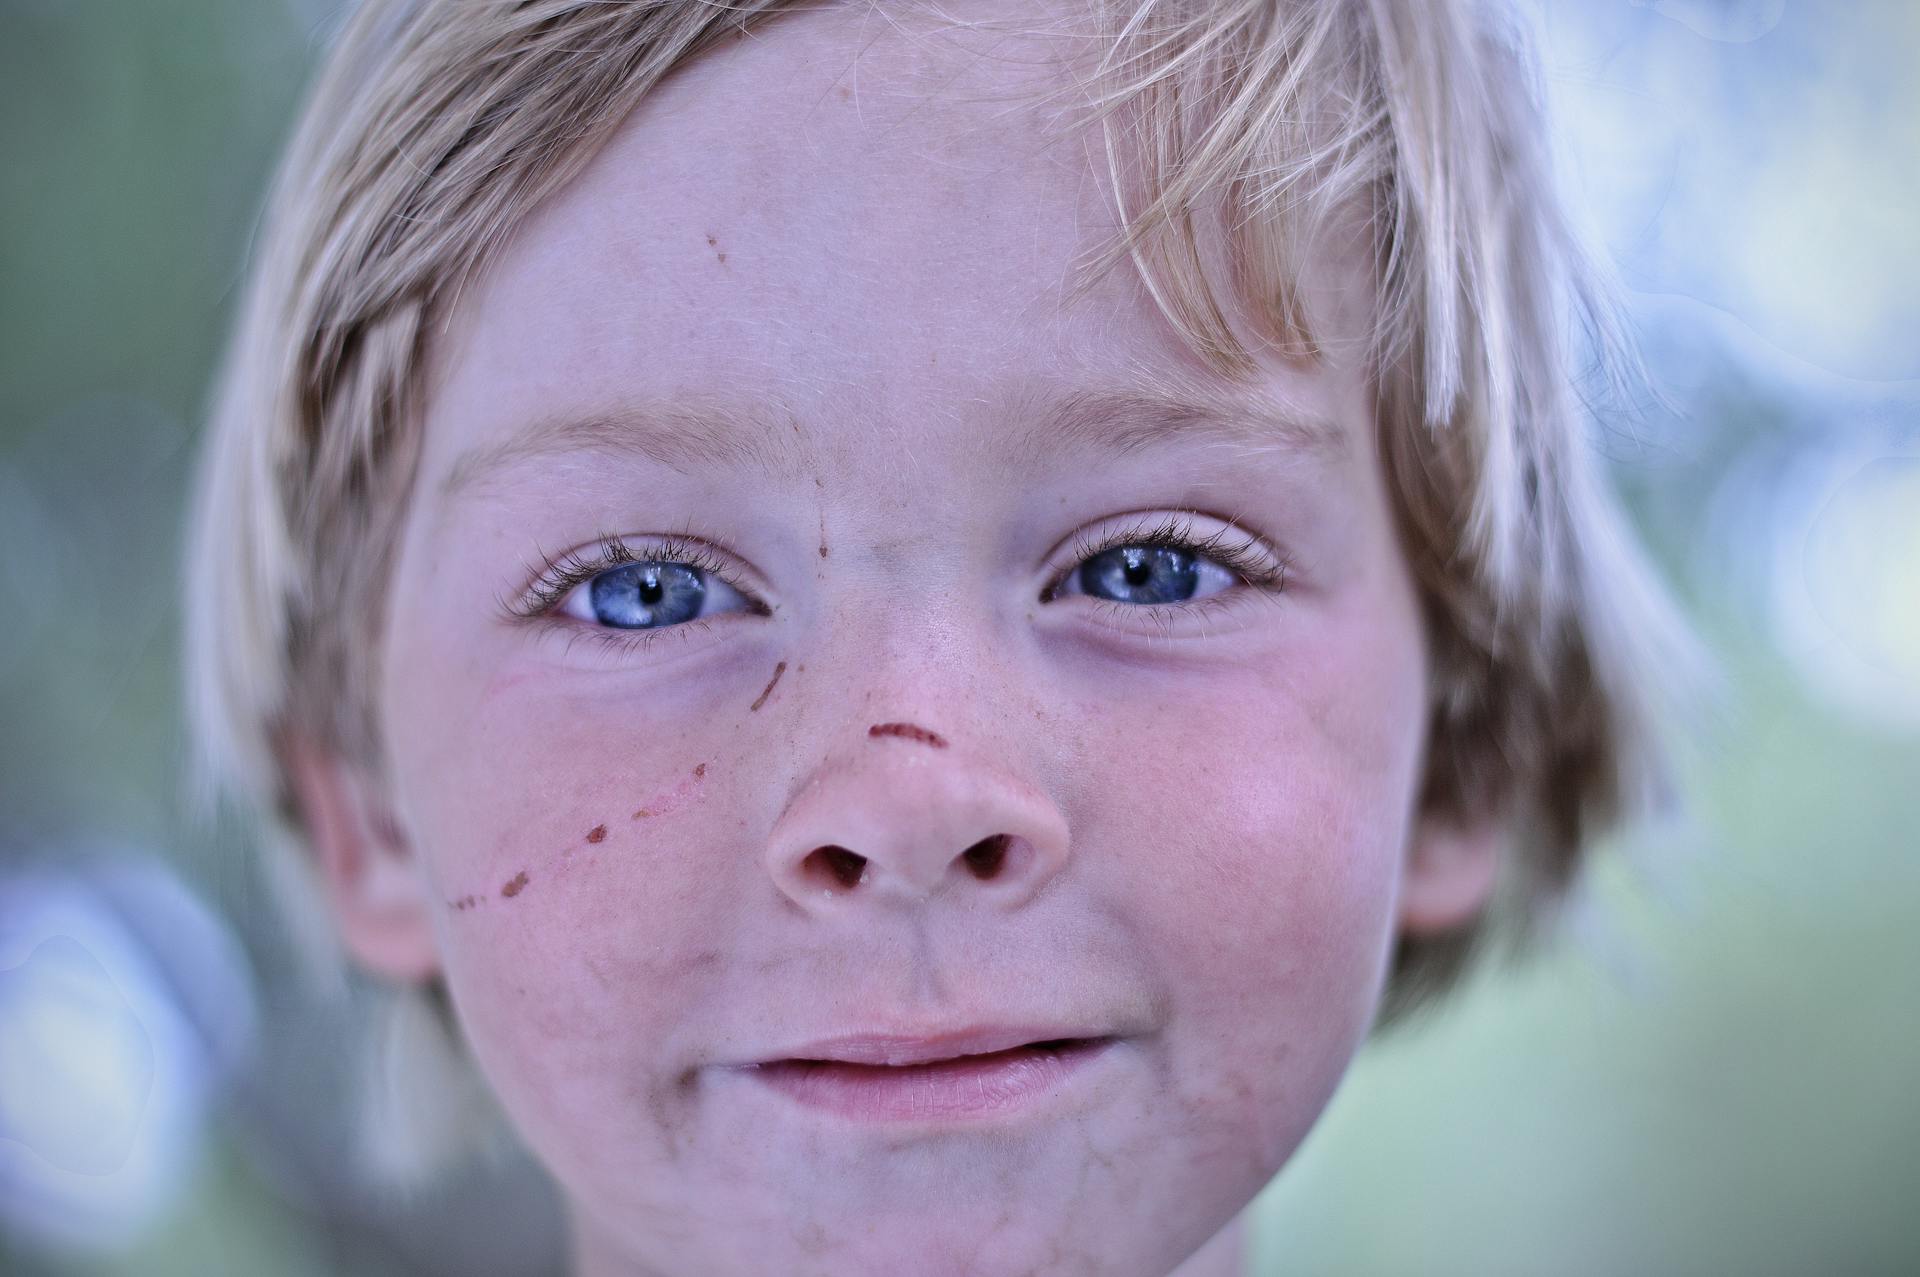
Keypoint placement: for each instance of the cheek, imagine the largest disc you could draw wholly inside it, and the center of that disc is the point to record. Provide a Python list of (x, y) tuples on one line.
[(576, 927), (1265, 838), (1288, 853)]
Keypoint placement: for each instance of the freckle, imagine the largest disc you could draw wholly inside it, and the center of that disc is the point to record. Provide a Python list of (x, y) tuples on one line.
[(722, 257), (597, 834), (711, 241), (759, 700), (513, 887)]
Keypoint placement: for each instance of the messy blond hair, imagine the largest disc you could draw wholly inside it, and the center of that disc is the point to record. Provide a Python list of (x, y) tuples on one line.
[(437, 125)]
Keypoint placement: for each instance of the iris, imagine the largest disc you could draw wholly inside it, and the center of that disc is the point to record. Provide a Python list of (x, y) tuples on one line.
[(644, 595), (1141, 574)]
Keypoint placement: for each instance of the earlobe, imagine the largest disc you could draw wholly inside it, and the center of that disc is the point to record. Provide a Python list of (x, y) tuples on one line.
[(377, 894), (1450, 871)]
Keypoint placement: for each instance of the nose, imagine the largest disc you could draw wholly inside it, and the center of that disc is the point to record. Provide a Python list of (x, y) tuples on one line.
[(906, 815)]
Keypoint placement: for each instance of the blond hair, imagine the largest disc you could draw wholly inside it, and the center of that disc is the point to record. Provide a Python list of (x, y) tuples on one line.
[(437, 125)]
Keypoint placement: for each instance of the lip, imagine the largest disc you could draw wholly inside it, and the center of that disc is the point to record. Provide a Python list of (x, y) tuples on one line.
[(972, 1074), (897, 1049)]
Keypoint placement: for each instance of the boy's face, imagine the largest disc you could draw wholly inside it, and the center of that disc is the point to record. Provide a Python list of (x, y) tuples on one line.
[(1141, 807)]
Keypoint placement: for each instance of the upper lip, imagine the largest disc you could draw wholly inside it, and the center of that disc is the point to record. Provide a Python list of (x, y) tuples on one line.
[(900, 1049)]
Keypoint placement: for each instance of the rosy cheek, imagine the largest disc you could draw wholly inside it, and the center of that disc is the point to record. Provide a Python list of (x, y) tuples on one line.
[(539, 837), (1267, 836), (578, 924)]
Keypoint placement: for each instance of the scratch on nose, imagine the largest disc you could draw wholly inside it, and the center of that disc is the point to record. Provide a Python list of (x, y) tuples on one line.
[(910, 732)]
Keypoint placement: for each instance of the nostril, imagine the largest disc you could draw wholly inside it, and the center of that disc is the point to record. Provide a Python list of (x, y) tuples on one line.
[(843, 867), (986, 858)]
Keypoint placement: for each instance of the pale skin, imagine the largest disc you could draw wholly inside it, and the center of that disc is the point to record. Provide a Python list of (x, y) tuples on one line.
[(854, 241)]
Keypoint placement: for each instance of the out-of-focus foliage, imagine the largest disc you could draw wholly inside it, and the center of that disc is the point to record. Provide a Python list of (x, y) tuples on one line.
[(1711, 1074)]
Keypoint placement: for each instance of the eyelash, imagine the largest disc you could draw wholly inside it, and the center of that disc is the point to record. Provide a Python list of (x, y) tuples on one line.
[(571, 568), (1173, 532)]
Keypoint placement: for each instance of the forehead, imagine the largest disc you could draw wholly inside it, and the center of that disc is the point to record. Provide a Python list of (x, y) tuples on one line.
[(876, 222)]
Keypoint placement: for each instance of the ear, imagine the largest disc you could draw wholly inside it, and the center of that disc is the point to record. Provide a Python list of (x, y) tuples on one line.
[(379, 897), (1452, 862)]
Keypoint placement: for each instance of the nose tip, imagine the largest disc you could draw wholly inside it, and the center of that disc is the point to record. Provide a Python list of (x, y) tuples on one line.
[(913, 823)]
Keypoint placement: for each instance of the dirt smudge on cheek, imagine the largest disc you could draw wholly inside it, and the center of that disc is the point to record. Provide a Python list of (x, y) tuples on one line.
[(514, 885), (465, 903), (597, 834), (620, 973), (758, 701), (674, 799)]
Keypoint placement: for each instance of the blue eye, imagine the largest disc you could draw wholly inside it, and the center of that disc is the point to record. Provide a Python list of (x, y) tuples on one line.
[(1168, 564), (647, 596), (640, 596), (1140, 574), (1161, 569)]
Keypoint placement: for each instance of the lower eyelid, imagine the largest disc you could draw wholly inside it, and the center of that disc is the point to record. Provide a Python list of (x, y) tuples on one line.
[(621, 642)]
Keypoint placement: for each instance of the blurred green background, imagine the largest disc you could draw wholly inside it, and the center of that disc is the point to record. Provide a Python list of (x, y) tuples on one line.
[(1714, 1069)]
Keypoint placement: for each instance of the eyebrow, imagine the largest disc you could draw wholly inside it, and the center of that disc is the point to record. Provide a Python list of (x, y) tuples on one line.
[(1111, 424), (1086, 425), (682, 436)]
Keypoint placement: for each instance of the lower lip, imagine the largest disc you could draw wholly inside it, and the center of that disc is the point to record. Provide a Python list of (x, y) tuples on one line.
[(970, 1086)]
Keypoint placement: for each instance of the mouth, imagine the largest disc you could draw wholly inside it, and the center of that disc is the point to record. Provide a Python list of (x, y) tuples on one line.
[(920, 1080)]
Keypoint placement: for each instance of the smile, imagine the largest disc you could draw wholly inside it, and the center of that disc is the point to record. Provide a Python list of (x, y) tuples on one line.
[(898, 1080)]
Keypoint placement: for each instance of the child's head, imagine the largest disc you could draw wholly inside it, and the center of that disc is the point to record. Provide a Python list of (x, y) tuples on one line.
[(738, 536)]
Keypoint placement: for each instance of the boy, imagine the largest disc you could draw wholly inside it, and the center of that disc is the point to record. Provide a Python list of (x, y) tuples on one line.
[(898, 622)]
